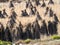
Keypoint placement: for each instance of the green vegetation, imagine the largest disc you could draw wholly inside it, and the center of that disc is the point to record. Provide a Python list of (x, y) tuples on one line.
[(27, 41), (55, 37), (5, 43)]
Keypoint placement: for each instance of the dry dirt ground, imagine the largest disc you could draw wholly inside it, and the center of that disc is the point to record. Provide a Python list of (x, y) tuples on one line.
[(39, 42)]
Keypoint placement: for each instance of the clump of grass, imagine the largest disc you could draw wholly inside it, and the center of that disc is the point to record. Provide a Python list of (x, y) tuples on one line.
[(55, 37), (27, 41), (5, 43)]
